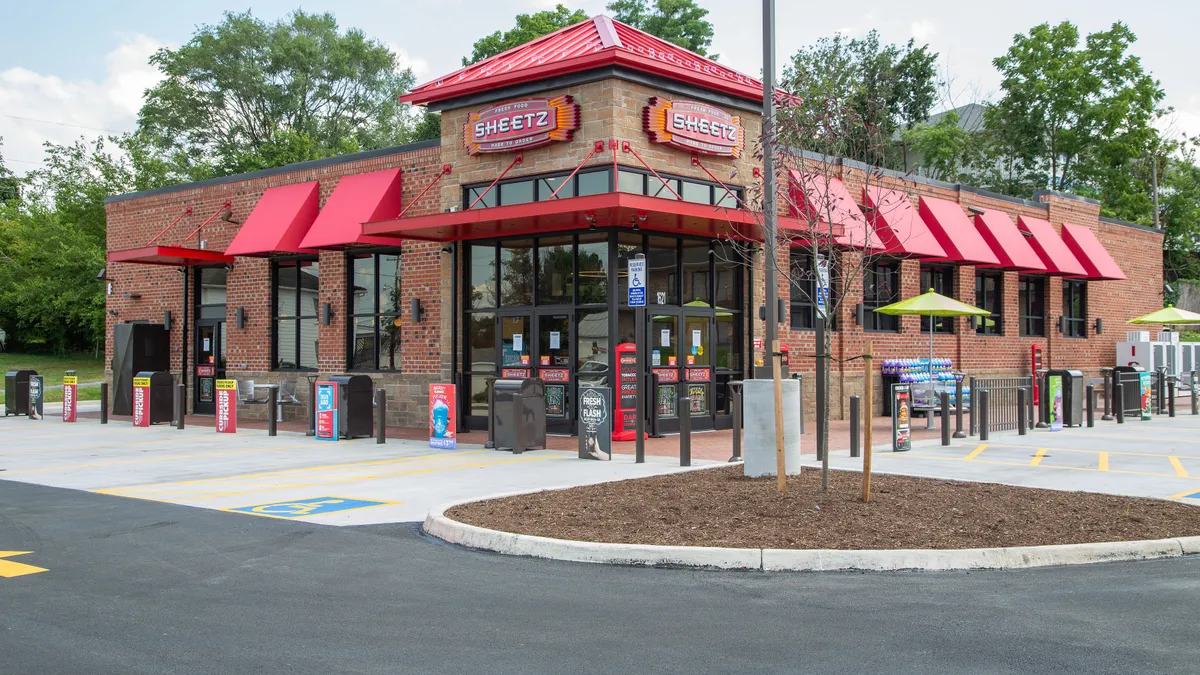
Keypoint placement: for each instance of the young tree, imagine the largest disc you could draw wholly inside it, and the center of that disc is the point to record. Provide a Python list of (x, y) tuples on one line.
[(245, 94), (945, 147), (680, 22), (9, 186), (528, 27)]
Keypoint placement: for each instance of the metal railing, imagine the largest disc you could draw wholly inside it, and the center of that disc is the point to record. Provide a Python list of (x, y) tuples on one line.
[(1003, 404)]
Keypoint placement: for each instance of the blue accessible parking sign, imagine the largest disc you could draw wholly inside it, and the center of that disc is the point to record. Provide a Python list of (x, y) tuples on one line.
[(637, 282)]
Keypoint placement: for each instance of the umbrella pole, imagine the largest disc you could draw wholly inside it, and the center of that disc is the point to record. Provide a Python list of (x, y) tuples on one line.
[(932, 387)]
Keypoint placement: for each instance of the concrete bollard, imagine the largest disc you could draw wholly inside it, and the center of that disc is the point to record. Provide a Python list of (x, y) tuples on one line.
[(945, 418), (983, 415), (1091, 405), (685, 431), (1108, 381), (272, 406), (380, 416), (1022, 412), (854, 425), (104, 402), (1119, 401), (735, 402)]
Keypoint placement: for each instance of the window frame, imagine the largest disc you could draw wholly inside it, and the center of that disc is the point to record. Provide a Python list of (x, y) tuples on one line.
[(717, 194), (1025, 316), (874, 322), (938, 276), (997, 312), (804, 303), (1075, 327), (351, 315), (300, 316)]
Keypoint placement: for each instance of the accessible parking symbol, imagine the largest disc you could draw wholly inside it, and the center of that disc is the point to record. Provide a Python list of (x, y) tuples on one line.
[(314, 506)]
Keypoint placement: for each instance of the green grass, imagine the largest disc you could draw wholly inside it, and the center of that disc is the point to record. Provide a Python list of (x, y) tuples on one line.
[(86, 368)]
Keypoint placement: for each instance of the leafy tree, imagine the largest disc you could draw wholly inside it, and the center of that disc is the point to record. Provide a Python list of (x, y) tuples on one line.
[(528, 27), (945, 147), (429, 128), (680, 22), (9, 185), (245, 94), (1179, 211), (1076, 115)]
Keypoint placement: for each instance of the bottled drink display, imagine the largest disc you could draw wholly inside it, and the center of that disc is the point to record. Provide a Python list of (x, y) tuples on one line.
[(918, 373)]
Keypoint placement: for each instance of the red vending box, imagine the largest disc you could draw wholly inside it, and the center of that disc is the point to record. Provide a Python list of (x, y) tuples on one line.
[(625, 419)]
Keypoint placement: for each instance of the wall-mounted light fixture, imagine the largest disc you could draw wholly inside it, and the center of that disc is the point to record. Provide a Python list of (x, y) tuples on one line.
[(860, 315), (133, 296), (113, 312), (1099, 326), (326, 313), (167, 319), (975, 210), (418, 312), (780, 311), (1062, 324), (240, 317)]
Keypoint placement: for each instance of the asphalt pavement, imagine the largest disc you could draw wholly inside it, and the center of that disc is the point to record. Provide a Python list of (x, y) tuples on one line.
[(135, 586)]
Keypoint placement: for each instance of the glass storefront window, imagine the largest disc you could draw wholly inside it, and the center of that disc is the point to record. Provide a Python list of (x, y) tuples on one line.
[(479, 396), (698, 348), (212, 285), (593, 182), (727, 332), (656, 187), (520, 192), (362, 351), (514, 342), (593, 269), (488, 201), (483, 276), (631, 182), (363, 285), (664, 339), (727, 266), (516, 271), (482, 342), (592, 347), (725, 199), (555, 271), (547, 186), (697, 193), (374, 341), (695, 272), (389, 283), (294, 326), (661, 261)]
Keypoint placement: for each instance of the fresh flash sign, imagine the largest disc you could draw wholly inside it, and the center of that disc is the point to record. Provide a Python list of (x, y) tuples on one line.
[(517, 125), (694, 127)]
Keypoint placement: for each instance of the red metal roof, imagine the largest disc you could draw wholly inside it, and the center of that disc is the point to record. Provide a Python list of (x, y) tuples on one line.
[(594, 43), (1006, 241), (357, 199), (955, 232), (573, 213), (1090, 252), (898, 225), (176, 256), (1050, 247), (278, 221), (824, 199)]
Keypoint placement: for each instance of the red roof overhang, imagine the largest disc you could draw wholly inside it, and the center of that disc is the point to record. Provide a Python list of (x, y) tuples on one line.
[(823, 199), (278, 222), (1007, 242), (176, 256), (602, 210), (955, 232), (1091, 253), (1050, 247), (898, 224), (357, 199)]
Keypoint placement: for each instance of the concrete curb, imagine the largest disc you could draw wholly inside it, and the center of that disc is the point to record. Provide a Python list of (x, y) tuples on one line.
[(439, 525)]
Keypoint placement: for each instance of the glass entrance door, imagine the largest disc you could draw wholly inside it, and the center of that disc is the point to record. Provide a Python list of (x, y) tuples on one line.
[(698, 369), (210, 365), (553, 352)]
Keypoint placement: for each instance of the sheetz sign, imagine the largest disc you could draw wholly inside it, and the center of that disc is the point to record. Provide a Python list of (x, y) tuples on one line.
[(518, 125), (694, 127)]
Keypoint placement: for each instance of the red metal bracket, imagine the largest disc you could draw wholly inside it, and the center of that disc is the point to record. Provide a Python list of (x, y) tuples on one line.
[(445, 171), (597, 148), (208, 220), (625, 146), (516, 160), (186, 212), (696, 162)]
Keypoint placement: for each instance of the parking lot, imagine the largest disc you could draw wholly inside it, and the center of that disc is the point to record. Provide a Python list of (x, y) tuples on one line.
[(1158, 458), (286, 476)]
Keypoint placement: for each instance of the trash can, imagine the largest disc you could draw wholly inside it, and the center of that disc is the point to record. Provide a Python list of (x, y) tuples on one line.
[(355, 405), (1073, 397), (519, 414), (1128, 377), (16, 392), (162, 395)]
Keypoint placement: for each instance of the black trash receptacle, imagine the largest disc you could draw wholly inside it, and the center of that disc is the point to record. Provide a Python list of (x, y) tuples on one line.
[(162, 395), (16, 392), (524, 429), (1073, 396), (355, 406), (1129, 376)]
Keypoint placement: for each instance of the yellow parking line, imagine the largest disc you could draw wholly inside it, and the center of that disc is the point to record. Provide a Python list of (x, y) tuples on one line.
[(1102, 458), (1037, 459), (1111, 452), (147, 460), (1179, 470), (1026, 464), (1139, 437), (975, 453), (89, 447)]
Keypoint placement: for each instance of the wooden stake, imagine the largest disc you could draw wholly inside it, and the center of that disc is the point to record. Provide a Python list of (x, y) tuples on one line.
[(780, 459), (868, 406)]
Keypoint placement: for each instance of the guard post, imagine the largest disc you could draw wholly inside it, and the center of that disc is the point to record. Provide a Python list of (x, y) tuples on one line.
[(1119, 398), (1108, 378), (945, 418), (983, 415), (272, 406), (180, 397), (1091, 405), (974, 401), (104, 402), (1170, 396), (1022, 413), (958, 406), (685, 431), (854, 420), (380, 416), (735, 401)]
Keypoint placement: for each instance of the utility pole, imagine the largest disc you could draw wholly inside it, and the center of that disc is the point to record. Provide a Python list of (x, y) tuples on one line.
[(1154, 181)]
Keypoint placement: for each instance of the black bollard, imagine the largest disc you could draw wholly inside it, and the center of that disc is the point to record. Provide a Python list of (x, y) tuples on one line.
[(1022, 412), (1119, 401), (491, 398), (1043, 406), (380, 416), (104, 402), (654, 433), (1108, 377), (735, 402), (685, 431), (958, 408), (945, 418), (1171, 397), (180, 406), (983, 415), (974, 402), (1160, 391), (312, 411), (1091, 405), (272, 403), (854, 425)]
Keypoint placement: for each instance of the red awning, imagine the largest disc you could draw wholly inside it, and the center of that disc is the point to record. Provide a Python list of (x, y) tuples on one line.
[(898, 225), (1007, 242), (823, 199), (176, 256), (574, 213), (1091, 253), (1050, 247), (955, 232), (278, 221), (361, 198)]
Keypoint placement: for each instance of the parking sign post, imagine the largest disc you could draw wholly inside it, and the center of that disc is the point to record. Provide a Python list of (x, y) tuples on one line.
[(637, 300)]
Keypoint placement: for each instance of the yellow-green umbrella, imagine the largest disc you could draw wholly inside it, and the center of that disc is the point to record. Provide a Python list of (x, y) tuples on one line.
[(1169, 315)]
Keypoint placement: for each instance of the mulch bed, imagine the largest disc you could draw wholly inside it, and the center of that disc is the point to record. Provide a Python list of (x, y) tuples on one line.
[(720, 507)]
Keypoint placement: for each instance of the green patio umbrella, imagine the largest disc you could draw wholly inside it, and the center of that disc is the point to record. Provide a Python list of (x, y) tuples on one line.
[(1170, 316), (932, 304)]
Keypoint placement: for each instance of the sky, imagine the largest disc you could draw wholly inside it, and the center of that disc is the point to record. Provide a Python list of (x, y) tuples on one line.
[(72, 68)]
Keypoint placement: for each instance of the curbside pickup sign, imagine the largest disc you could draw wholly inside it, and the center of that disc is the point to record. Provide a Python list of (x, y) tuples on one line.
[(141, 401), (226, 406), (70, 389), (327, 421)]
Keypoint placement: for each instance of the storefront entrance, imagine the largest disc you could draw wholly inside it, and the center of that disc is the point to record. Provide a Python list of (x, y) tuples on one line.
[(210, 338)]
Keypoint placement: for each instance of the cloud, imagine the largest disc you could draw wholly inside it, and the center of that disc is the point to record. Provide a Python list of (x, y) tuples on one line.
[(53, 109), (404, 59), (923, 30)]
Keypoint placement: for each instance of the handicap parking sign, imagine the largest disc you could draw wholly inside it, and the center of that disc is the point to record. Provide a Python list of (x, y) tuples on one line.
[(637, 282)]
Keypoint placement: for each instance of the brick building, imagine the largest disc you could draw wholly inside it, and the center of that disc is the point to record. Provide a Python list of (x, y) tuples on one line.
[(501, 249)]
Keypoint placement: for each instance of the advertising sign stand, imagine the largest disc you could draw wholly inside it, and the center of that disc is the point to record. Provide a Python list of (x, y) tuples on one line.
[(37, 395), (1143, 382), (141, 401), (637, 300), (595, 422), (1054, 399), (70, 391), (326, 411), (901, 417), (226, 406), (443, 432)]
